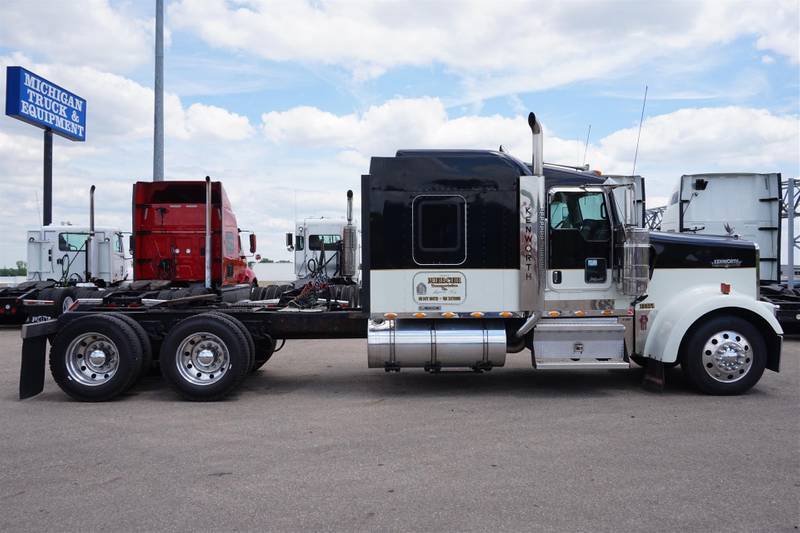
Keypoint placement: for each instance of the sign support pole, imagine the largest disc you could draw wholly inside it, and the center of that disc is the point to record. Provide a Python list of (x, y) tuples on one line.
[(47, 206), (158, 121)]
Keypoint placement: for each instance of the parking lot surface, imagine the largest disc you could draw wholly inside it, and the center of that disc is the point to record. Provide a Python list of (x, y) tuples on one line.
[(316, 441)]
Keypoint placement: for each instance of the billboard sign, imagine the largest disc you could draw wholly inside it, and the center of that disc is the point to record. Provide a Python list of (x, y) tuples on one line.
[(39, 102)]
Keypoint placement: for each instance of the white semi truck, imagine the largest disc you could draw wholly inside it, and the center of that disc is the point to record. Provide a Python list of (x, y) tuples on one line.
[(740, 205), (467, 256), (315, 244), (65, 262)]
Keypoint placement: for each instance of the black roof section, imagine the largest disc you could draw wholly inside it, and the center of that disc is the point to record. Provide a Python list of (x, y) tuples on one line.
[(477, 163)]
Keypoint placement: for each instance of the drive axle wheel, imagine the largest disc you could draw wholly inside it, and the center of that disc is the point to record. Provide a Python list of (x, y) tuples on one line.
[(95, 358), (726, 355), (205, 357), (144, 340)]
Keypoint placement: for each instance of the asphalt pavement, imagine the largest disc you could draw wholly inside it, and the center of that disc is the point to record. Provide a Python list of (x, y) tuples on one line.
[(315, 441)]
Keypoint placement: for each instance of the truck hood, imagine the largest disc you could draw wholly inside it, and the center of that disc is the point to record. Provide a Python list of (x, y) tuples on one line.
[(681, 250)]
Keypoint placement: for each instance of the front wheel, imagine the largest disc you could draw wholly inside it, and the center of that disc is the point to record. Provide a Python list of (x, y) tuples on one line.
[(725, 355)]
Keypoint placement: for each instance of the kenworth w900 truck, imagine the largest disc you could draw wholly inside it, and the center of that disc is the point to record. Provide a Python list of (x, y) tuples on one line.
[(467, 256)]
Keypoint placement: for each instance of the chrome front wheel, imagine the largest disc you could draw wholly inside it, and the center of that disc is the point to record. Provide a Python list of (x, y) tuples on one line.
[(724, 354), (727, 356)]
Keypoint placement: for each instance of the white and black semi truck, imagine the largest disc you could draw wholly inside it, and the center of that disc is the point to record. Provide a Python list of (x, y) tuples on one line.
[(467, 256)]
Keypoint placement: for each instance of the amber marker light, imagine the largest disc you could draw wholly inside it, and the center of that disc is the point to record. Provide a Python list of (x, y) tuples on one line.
[(449, 314), (607, 312), (506, 314), (553, 314), (579, 313), (390, 316), (476, 314), (420, 315)]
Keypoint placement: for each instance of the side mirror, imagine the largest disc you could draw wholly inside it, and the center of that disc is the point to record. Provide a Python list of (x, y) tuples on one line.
[(258, 257), (130, 244), (290, 242), (252, 243)]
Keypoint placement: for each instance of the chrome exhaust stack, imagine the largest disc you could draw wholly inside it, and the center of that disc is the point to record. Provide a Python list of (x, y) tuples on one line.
[(90, 239), (537, 161), (208, 234), (349, 258)]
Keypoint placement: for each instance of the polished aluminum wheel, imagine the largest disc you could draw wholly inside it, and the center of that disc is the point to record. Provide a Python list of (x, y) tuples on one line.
[(92, 359), (202, 358), (727, 356), (68, 301)]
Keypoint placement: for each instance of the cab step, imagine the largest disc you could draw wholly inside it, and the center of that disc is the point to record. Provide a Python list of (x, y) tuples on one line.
[(580, 364)]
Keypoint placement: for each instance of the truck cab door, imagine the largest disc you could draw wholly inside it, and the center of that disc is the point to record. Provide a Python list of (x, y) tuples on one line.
[(580, 243)]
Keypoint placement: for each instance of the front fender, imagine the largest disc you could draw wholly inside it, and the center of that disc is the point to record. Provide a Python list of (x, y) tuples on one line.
[(671, 322)]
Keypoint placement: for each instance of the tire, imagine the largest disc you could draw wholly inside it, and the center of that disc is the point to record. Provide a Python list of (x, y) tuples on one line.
[(144, 340), (62, 297), (272, 292), (725, 355), (235, 322), (213, 345), (264, 349), (115, 368)]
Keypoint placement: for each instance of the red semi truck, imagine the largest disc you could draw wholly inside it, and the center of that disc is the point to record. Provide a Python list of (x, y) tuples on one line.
[(174, 223), (171, 224)]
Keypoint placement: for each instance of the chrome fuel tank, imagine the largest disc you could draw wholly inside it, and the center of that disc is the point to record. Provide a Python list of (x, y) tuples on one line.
[(434, 344)]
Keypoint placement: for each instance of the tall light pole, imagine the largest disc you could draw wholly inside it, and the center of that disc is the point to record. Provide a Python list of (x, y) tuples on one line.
[(158, 119)]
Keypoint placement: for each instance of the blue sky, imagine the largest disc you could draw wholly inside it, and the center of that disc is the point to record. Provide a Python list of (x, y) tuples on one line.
[(285, 100)]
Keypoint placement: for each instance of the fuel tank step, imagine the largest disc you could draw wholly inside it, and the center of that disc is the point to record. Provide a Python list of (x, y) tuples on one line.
[(579, 338), (581, 364)]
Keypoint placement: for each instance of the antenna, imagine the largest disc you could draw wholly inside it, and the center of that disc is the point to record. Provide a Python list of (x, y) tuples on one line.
[(639, 136), (586, 146), (38, 205)]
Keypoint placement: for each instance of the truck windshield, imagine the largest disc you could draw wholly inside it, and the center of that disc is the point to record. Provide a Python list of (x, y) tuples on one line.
[(71, 242)]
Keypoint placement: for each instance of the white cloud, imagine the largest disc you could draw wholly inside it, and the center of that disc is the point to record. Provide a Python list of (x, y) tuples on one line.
[(497, 49), (688, 140), (216, 122), (89, 32)]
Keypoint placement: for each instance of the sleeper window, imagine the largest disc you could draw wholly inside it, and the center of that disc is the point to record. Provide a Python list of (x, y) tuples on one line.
[(439, 230)]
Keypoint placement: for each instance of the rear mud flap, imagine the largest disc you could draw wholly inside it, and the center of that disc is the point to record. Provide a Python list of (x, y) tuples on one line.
[(31, 376)]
